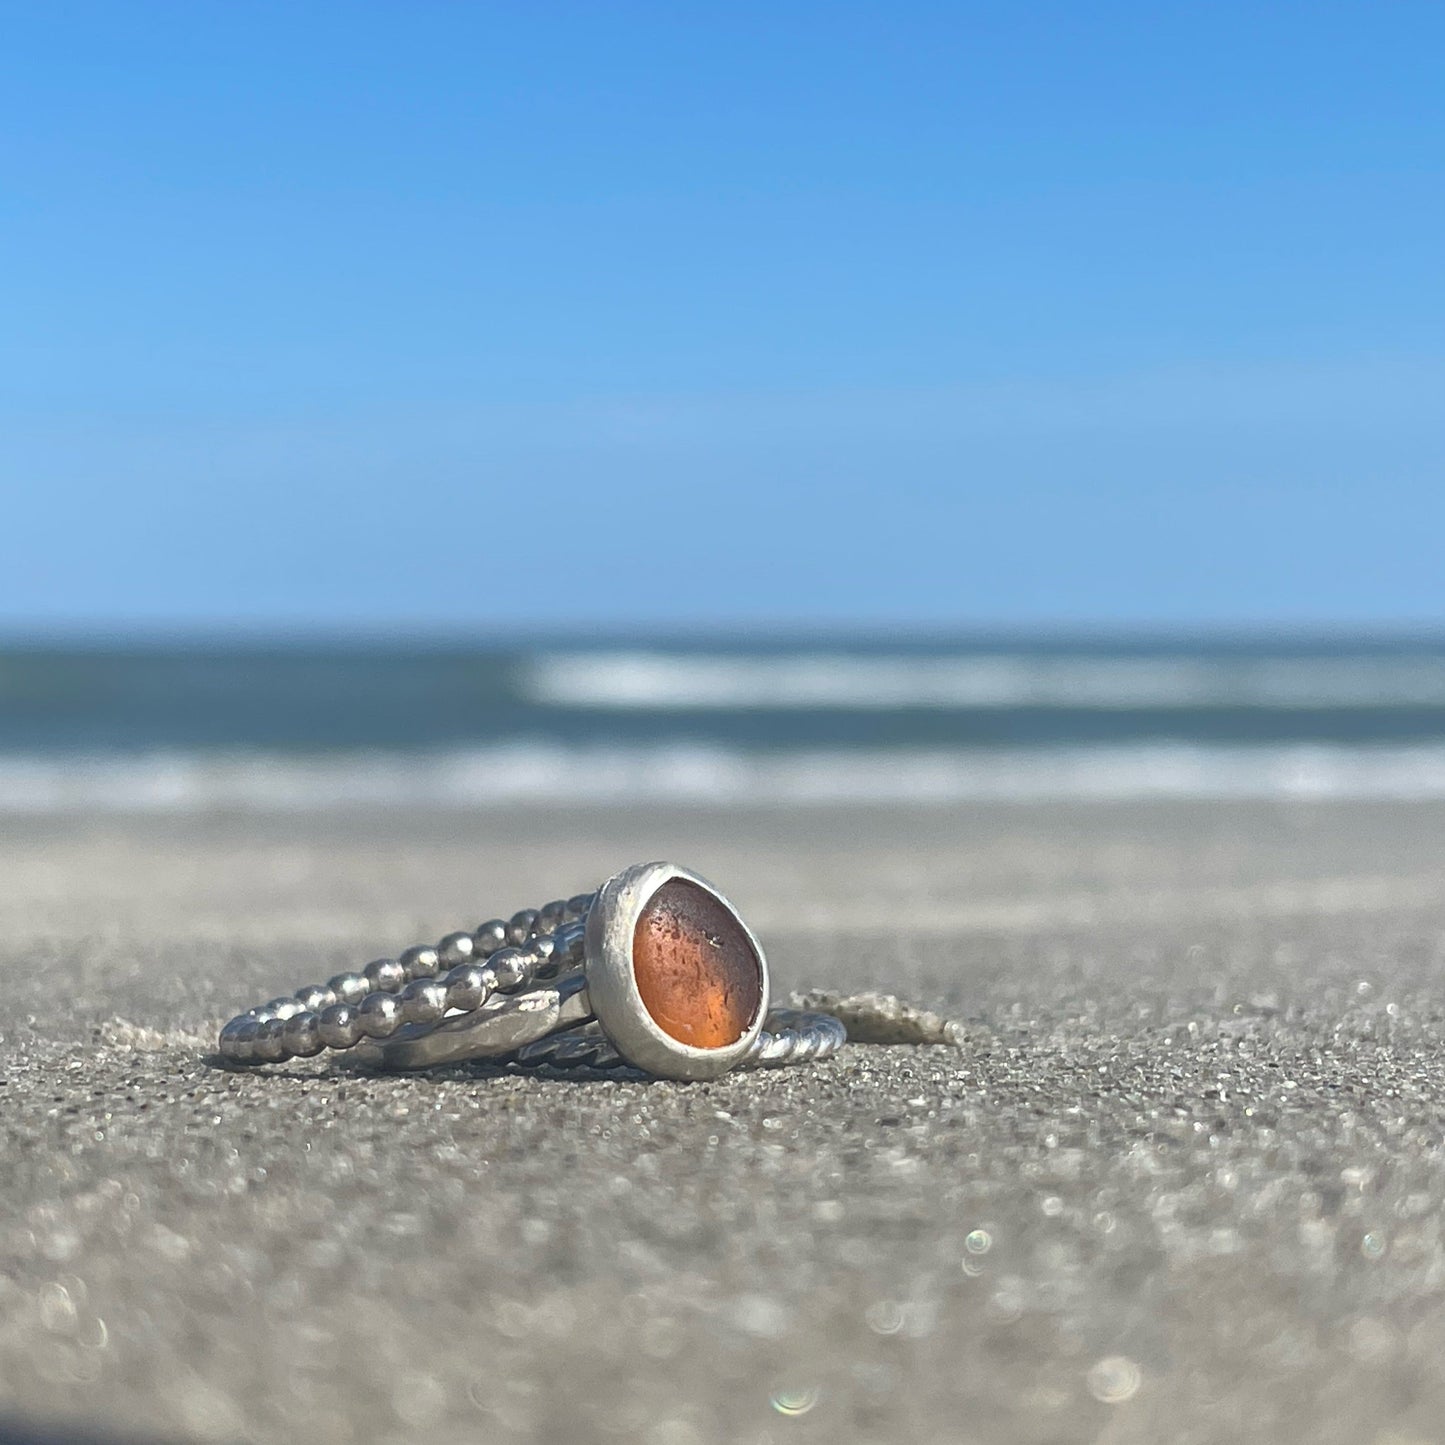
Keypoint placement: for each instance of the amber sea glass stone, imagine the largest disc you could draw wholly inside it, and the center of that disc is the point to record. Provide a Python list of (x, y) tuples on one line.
[(695, 968)]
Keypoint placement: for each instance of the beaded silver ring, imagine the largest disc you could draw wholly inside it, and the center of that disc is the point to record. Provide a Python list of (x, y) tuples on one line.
[(656, 970)]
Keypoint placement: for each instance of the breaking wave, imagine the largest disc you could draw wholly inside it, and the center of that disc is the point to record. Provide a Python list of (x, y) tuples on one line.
[(695, 774), (648, 679)]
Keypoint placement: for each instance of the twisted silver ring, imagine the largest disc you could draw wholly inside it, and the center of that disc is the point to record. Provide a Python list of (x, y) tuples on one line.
[(656, 970)]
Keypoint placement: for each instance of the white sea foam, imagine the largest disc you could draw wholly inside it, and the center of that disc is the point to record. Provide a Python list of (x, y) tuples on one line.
[(673, 681), (683, 773)]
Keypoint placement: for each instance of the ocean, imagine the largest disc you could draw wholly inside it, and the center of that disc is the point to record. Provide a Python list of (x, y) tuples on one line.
[(195, 727)]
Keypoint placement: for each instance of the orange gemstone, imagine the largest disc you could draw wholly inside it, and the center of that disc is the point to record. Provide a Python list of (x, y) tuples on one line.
[(695, 969)]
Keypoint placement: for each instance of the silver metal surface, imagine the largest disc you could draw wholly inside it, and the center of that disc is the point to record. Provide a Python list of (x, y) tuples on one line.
[(497, 1029), (270, 1042), (552, 916), (302, 1035), (467, 987), (420, 961), (795, 1036), (390, 993), (317, 998), (456, 948), (385, 975), (424, 1000), (380, 1015), (349, 987), (522, 925), (509, 965), (791, 1036), (338, 1027), (490, 936)]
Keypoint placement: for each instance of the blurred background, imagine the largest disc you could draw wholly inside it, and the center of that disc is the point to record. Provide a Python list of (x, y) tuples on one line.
[(752, 403)]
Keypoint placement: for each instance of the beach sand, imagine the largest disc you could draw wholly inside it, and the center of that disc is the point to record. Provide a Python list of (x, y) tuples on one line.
[(1183, 1181)]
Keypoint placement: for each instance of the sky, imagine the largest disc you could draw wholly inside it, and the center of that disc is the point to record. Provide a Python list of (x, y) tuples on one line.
[(484, 316)]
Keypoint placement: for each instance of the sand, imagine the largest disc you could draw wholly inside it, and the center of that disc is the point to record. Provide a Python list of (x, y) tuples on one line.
[(1182, 1181)]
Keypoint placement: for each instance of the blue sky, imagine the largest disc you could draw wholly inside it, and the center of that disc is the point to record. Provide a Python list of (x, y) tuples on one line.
[(490, 315)]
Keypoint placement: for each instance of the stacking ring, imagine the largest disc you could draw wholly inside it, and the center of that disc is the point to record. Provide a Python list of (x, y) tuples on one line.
[(656, 970)]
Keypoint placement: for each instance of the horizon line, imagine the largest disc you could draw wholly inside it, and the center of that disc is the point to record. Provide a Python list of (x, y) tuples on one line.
[(435, 635)]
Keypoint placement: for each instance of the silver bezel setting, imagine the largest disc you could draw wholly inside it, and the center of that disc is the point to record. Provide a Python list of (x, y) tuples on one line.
[(612, 985)]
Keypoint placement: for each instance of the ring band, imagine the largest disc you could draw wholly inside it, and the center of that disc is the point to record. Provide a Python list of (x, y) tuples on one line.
[(560, 1031), (656, 970)]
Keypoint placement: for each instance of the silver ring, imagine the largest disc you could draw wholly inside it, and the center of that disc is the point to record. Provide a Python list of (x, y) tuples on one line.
[(657, 970)]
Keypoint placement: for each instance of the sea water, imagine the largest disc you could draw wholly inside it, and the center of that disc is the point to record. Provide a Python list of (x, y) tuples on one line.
[(311, 725)]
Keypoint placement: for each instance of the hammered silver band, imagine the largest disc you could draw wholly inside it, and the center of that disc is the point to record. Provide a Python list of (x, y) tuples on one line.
[(788, 1036), (553, 1024)]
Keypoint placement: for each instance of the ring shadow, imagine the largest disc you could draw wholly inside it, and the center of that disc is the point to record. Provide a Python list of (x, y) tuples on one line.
[(15, 1431), (341, 1069)]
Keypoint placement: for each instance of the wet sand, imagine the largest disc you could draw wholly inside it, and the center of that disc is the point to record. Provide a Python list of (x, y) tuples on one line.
[(1184, 1181)]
